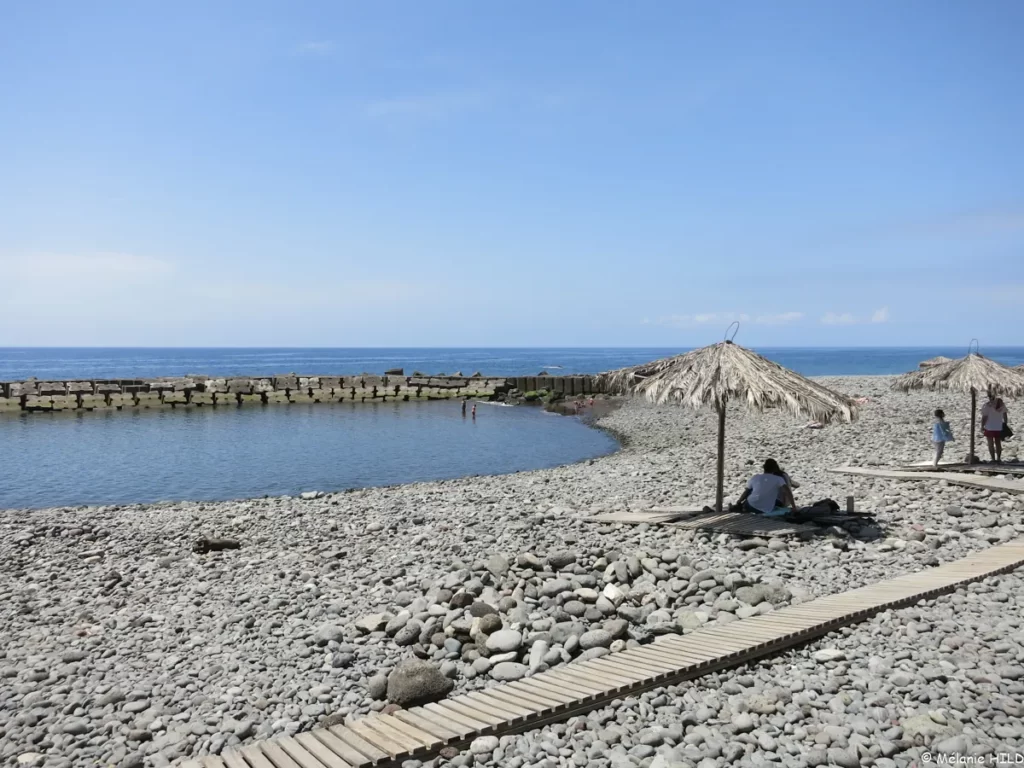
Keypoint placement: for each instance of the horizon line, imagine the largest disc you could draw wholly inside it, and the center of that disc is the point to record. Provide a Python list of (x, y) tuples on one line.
[(589, 346)]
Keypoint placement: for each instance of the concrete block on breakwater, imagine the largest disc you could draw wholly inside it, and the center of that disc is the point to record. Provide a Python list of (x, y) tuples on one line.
[(234, 391)]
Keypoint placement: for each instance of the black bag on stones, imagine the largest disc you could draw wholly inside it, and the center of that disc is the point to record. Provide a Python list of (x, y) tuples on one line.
[(822, 508)]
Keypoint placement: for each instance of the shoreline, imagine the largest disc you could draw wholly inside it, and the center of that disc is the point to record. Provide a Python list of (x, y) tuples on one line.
[(623, 437), (170, 653), (586, 420)]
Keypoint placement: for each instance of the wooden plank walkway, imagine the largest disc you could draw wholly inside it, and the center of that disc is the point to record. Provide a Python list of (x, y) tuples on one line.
[(970, 481), (387, 740), (655, 516), (744, 524), (736, 523), (1017, 470)]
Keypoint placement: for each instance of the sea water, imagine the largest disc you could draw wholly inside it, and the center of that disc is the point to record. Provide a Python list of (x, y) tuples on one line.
[(104, 457), (94, 363), (210, 454)]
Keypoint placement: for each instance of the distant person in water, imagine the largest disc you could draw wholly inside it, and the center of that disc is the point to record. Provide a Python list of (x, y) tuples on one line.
[(463, 407), (994, 418), (474, 410), (942, 433), (763, 491)]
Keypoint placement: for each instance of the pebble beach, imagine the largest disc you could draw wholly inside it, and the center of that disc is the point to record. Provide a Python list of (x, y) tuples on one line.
[(121, 646)]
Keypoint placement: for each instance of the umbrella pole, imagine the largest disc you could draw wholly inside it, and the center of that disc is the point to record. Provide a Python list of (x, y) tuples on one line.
[(721, 456), (974, 408)]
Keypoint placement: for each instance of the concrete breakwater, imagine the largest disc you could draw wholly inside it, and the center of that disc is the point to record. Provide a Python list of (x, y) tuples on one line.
[(199, 391)]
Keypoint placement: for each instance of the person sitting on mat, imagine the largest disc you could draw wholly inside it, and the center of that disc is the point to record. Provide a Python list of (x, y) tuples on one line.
[(763, 490), (793, 485)]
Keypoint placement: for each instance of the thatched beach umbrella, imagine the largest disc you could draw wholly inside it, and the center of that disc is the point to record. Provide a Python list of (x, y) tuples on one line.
[(623, 381), (724, 372), (968, 375), (934, 361)]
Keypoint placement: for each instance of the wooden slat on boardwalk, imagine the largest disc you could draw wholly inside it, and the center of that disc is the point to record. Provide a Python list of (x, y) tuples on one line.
[(573, 689), (234, 760), (983, 469), (743, 524), (339, 747), (653, 516), (371, 755), (956, 478)]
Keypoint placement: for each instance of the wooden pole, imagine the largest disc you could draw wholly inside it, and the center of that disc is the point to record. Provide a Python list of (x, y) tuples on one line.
[(974, 408), (721, 457)]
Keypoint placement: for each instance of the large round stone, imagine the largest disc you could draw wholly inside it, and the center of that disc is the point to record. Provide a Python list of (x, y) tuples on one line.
[(560, 560), (554, 587), (504, 641), (509, 670), (595, 638), (483, 745), (415, 682)]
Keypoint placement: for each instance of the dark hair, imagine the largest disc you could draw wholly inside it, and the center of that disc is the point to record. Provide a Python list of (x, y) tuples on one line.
[(771, 467), (939, 413)]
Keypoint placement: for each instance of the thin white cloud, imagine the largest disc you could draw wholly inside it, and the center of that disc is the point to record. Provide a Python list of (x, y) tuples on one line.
[(93, 266), (713, 317), (315, 48), (123, 299), (848, 318), (837, 318), (342, 294), (780, 319), (431, 106), (693, 321), (1007, 293), (723, 318), (999, 220)]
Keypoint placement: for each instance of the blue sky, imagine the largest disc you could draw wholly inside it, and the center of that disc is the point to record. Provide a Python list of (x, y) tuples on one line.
[(537, 173)]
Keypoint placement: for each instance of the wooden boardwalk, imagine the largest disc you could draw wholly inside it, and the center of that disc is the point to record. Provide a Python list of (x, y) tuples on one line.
[(736, 523), (956, 478), (387, 740), (1016, 469), (745, 524), (654, 516)]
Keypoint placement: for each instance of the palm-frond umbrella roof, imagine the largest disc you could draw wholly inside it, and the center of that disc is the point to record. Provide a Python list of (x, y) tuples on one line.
[(968, 375), (623, 381), (973, 372), (934, 361), (725, 372)]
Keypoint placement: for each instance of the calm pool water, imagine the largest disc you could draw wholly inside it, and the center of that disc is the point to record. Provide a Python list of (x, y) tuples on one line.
[(64, 459)]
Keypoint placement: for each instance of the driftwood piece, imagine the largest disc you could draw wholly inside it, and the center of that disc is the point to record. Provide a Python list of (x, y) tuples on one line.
[(202, 545)]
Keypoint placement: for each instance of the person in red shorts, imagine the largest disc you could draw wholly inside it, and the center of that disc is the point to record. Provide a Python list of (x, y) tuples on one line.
[(993, 418)]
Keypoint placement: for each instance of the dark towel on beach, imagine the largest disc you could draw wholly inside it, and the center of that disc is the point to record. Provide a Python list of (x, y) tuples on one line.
[(822, 508)]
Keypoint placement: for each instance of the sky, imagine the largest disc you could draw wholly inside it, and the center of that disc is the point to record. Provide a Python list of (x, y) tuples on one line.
[(457, 173)]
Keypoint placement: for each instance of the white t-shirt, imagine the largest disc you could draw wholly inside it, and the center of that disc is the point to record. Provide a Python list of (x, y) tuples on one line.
[(764, 490), (992, 417)]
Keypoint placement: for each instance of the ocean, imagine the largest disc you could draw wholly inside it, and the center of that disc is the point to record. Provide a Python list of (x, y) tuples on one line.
[(49, 460), (64, 459), (94, 363)]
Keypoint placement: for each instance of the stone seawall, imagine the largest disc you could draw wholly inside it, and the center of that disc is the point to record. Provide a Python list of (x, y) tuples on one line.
[(198, 391)]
